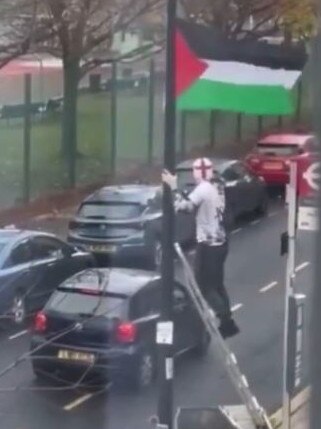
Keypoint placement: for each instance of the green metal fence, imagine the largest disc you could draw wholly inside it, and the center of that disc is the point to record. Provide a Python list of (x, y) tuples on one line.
[(120, 123)]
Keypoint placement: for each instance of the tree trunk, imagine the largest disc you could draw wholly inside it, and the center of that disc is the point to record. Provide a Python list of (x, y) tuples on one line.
[(69, 120)]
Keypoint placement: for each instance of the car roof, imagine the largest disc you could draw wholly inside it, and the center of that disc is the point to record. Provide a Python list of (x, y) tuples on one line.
[(122, 281), (294, 139), (139, 194), (218, 163), (13, 234)]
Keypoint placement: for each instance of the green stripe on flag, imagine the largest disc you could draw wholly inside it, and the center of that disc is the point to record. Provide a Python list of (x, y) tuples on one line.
[(248, 99)]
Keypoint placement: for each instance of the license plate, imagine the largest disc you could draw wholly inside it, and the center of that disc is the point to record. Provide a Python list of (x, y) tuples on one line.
[(273, 165), (76, 356), (102, 248)]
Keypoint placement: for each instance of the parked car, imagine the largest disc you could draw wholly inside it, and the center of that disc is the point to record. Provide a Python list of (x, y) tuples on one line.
[(272, 156), (121, 222), (103, 323), (32, 265), (245, 192)]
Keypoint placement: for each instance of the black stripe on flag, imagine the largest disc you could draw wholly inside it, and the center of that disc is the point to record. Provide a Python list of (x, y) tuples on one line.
[(211, 45)]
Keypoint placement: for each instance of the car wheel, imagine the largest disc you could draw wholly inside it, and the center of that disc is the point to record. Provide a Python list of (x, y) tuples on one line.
[(202, 347), (145, 372), (18, 310)]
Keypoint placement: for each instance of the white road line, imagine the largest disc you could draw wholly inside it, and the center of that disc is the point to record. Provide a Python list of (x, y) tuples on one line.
[(237, 230), (272, 214), (255, 222), (18, 334), (77, 402), (302, 266), (236, 307), (268, 287)]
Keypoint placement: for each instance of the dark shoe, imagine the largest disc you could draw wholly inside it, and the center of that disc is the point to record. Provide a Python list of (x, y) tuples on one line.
[(228, 328)]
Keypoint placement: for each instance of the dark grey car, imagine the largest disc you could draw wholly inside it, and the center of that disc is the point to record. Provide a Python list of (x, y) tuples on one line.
[(245, 192), (118, 223)]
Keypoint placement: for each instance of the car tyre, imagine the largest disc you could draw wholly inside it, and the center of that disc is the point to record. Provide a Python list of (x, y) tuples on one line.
[(18, 311), (202, 347), (145, 371)]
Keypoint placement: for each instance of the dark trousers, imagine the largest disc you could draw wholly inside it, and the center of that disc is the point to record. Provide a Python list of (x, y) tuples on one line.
[(209, 272)]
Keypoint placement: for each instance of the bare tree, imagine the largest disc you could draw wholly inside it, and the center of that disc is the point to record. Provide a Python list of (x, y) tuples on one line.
[(17, 28), (237, 18)]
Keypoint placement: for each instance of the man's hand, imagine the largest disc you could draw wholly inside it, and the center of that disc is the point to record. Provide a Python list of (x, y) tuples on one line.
[(169, 179)]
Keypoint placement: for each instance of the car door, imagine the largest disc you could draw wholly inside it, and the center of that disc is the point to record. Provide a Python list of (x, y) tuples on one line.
[(53, 265), (19, 277), (237, 189), (250, 186), (185, 226)]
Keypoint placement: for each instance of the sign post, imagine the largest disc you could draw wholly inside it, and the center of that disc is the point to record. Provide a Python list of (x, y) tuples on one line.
[(289, 291), (309, 183)]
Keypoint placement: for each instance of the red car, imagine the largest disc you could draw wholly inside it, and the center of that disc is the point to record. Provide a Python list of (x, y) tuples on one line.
[(272, 155)]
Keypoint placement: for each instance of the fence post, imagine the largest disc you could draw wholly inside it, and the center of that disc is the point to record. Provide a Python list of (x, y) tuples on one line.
[(280, 123), (113, 118), (212, 129), (26, 138), (183, 118), (299, 102), (150, 113), (239, 127), (259, 125)]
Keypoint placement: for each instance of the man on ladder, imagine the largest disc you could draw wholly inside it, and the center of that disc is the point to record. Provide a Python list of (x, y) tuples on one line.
[(208, 200)]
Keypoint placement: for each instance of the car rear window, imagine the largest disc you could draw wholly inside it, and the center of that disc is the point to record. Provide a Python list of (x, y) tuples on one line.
[(278, 149), (185, 177), (67, 302), (112, 211)]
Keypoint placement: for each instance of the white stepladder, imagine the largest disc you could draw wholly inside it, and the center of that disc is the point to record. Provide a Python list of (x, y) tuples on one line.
[(250, 415)]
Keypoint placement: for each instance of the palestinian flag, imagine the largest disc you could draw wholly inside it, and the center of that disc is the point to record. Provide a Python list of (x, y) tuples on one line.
[(250, 77)]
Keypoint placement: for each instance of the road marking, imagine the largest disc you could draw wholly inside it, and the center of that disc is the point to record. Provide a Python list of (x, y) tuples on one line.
[(77, 402), (18, 334), (255, 222), (237, 230), (302, 266), (268, 287), (236, 307), (272, 214)]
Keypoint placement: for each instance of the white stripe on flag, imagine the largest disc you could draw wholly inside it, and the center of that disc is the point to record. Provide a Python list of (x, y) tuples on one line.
[(248, 74)]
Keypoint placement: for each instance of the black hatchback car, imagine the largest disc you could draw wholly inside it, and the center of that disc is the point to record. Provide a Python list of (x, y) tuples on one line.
[(245, 192), (122, 222), (102, 323), (32, 265)]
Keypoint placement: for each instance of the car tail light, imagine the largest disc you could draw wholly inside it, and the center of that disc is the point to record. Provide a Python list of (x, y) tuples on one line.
[(253, 160), (40, 322), (126, 333)]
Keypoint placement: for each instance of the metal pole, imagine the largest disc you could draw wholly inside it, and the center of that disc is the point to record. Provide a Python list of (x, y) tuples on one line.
[(299, 102), (212, 129), (165, 402), (239, 127), (183, 134), (259, 125), (315, 343), (113, 119), (280, 122), (289, 288), (151, 109), (26, 138)]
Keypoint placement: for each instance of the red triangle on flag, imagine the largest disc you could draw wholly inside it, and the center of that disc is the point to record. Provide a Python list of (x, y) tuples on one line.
[(188, 66)]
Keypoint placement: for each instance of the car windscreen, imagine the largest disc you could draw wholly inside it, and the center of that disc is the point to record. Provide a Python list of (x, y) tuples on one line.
[(185, 179), (278, 149), (77, 303), (111, 211)]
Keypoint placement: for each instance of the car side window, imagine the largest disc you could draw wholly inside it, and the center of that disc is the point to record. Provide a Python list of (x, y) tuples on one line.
[(230, 174), (46, 248), (21, 254), (146, 302)]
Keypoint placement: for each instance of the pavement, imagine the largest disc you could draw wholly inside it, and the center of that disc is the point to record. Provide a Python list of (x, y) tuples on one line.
[(255, 275)]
